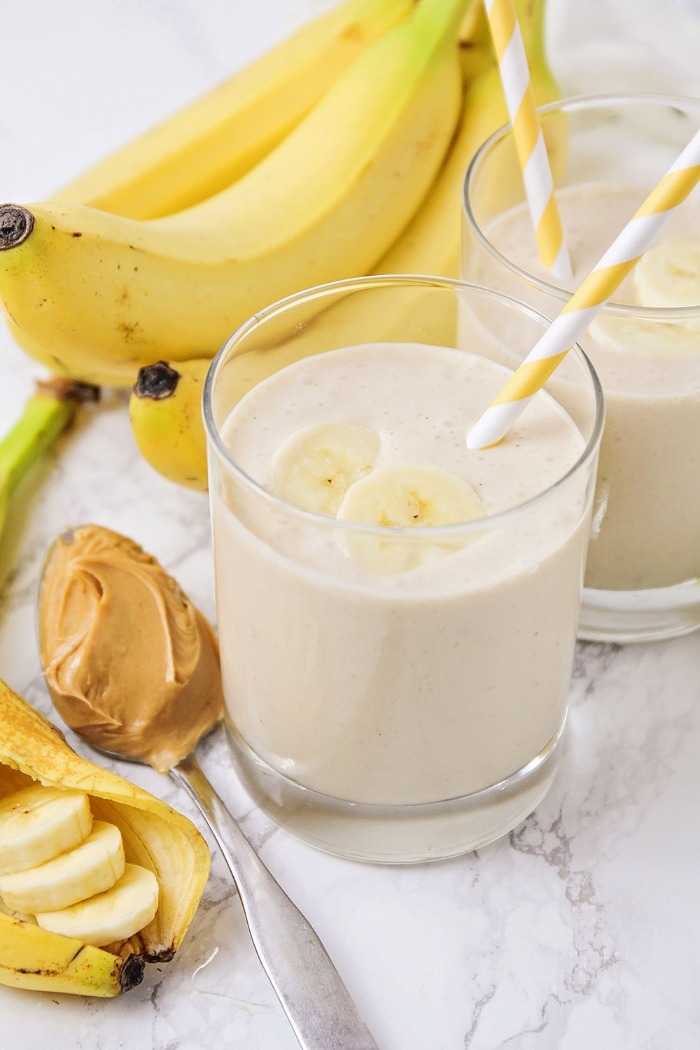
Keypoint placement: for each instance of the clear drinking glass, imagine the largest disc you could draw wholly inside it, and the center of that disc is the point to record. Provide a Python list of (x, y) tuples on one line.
[(397, 693), (642, 577)]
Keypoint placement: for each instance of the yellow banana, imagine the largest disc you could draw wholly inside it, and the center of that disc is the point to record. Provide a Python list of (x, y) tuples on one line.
[(154, 836), (96, 296), (429, 244), (217, 138), (165, 409), (476, 49)]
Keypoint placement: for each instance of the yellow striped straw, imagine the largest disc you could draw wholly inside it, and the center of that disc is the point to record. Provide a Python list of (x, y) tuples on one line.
[(527, 135), (592, 294)]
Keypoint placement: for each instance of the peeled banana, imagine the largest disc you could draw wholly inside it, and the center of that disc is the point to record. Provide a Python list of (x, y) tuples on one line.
[(34, 759), (74, 874), (208, 144), (97, 295)]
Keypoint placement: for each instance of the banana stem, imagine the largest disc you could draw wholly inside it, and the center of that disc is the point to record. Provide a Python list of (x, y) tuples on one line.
[(46, 414)]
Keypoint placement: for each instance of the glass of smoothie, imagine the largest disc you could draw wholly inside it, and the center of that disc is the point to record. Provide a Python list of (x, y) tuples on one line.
[(397, 614), (607, 153)]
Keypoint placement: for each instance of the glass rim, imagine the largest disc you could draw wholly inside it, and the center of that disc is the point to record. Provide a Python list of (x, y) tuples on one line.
[(420, 533), (573, 103)]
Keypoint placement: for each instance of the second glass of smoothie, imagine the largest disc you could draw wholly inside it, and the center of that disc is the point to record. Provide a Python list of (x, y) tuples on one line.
[(607, 153), (397, 614)]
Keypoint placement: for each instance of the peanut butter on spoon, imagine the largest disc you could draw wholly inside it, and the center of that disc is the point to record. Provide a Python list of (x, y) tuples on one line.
[(133, 667), (130, 663)]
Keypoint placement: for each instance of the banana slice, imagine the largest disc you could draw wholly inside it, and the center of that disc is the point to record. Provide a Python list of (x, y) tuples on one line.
[(668, 274), (405, 496), (646, 338), (317, 465), (90, 868), (38, 823), (114, 915)]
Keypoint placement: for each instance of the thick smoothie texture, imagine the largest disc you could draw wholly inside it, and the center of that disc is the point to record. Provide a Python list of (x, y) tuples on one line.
[(412, 686), (647, 523)]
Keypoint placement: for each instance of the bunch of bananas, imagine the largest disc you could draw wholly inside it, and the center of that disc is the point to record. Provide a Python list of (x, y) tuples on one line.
[(108, 875), (338, 154)]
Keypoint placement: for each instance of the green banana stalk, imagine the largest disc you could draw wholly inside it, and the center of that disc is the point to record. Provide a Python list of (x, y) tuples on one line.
[(46, 414)]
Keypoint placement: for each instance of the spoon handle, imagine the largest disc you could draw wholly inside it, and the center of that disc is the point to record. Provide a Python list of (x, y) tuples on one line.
[(307, 983)]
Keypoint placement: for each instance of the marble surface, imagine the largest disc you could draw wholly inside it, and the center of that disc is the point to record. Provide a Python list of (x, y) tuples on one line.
[(580, 929)]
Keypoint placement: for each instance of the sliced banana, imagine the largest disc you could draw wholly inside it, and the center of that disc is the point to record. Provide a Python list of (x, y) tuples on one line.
[(114, 915), (89, 868), (316, 466), (38, 823), (646, 338), (405, 496), (668, 274)]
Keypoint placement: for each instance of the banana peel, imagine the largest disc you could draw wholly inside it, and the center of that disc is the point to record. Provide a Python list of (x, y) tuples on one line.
[(154, 835)]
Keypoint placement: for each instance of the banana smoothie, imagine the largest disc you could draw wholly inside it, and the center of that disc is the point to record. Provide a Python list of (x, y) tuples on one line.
[(375, 648), (647, 526), (608, 153)]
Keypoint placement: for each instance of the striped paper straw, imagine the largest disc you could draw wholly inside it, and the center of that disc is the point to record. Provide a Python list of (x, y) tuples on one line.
[(590, 296), (527, 134)]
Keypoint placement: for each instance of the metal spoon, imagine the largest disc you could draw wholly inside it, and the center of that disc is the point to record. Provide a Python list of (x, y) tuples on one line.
[(312, 994), (314, 998)]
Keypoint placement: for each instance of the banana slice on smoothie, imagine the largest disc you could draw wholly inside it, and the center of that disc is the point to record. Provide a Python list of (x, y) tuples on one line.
[(316, 465), (648, 338), (406, 496), (668, 274)]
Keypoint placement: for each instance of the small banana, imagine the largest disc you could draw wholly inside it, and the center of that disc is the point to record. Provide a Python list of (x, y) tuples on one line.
[(98, 295), (35, 758), (406, 496), (205, 146), (165, 410), (317, 465)]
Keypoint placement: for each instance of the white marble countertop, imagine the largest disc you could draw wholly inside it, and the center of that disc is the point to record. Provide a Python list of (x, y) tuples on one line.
[(579, 930)]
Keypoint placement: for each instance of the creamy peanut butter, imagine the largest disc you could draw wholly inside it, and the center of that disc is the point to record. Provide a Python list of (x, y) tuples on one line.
[(130, 663)]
